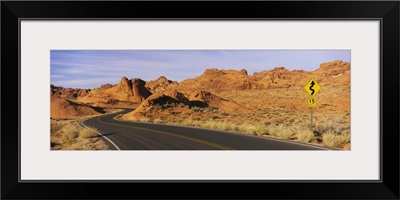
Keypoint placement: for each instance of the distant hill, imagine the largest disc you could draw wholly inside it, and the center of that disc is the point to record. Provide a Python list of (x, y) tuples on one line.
[(66, 109), (336, 73)]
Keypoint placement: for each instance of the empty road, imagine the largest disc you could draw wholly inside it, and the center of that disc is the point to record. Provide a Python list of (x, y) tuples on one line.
[(122, 135)]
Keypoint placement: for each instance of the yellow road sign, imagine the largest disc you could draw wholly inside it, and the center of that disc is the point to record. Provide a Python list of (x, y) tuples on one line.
[(312, 87), (312, 102)]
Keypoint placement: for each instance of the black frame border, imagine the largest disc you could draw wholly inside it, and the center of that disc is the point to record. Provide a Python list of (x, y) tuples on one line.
[(386, 11)]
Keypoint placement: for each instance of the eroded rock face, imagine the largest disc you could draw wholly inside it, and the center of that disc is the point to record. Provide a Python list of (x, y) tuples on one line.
[(69, 93), (215, 80), (335, 73), (126, 90), (139, 90), (161, 84), (154, 106), (212, 100)]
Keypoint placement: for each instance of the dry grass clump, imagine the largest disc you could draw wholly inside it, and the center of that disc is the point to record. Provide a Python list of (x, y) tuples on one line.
[(55, 126), (302, 133), (158, 121), (252, 129), (70, 135), (305, 136), (337, 126), (190, 122), (335, 140), (74, 146), (227, 126), (329, 127), (87, 144), (145, 119), (88, 133), (334, 132), (211, 124), (281, 131), (285, 134)]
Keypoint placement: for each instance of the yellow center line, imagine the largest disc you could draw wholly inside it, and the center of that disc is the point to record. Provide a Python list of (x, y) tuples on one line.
[(173, 134)]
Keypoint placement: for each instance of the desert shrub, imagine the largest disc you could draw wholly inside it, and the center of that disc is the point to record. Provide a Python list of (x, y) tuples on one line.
[(344, 132), (74, 147), (197, 109), (170, 123), (69, 133), (284, 133), (272, 130), (209, 124), (329, 139), (335, 140), (346, 126), (54, 126), (70, 141), (227, 126), (158, 121), (189, 122), (338, 120), (343, 138), (83, 146), (252, 129), (305, 136), (280, 131), (329, 127), (87, 133), (145, 119)]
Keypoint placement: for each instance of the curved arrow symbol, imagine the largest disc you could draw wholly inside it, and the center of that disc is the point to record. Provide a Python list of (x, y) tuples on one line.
[(311, 88)]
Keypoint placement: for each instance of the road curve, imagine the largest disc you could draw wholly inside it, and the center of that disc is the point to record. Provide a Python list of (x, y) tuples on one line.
[(122, 135)]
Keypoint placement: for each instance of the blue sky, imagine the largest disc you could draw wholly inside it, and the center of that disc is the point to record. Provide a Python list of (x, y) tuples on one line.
[(92, 68)]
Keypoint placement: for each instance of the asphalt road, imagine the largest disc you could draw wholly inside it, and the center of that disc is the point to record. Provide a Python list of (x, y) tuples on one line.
[(122, 135)]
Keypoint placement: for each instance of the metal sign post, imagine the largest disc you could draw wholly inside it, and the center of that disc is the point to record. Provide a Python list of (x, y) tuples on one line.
[(311, 119), (312, 102)]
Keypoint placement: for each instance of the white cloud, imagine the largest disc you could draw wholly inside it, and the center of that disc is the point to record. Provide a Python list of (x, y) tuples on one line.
[(57, 76)]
